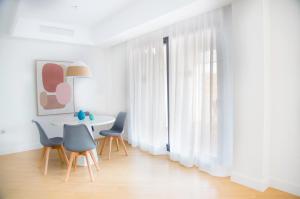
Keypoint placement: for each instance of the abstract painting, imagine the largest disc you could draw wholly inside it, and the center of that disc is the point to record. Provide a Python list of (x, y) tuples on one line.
[(54, 89)]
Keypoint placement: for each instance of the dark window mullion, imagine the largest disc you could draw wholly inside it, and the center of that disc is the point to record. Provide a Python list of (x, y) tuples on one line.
[(166, 42)]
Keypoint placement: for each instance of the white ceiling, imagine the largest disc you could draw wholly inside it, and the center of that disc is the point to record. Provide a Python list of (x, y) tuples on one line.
[(95, 22), (72, 12)]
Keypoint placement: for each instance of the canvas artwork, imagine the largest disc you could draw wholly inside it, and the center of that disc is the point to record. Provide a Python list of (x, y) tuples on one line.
[(54, 89)]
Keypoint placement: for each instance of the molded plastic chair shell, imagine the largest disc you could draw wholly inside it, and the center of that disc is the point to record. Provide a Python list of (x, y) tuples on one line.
[(117, 128), (77, 138), (45, 141)]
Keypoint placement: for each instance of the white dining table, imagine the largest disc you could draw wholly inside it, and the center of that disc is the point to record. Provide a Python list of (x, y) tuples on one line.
[(71, 120)]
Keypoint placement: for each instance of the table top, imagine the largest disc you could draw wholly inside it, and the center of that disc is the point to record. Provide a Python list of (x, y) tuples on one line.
[(70, 119)]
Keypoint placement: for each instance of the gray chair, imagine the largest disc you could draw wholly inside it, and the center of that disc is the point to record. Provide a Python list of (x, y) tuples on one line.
[(79, 141), (115, 133), (48, 144)]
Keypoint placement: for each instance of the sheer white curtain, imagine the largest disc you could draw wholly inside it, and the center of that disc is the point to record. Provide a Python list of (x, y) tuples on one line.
[(197, 132), (147, 126), (200, 93)]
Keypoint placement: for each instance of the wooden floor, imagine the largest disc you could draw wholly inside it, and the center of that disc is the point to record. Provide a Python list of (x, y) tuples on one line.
[(139, 175)]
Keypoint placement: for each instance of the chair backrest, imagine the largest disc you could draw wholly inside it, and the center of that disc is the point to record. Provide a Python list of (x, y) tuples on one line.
[(43, 136), (78, 138), (119, 123)]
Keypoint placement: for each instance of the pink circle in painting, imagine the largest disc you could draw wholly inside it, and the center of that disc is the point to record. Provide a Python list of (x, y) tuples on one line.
[(63, 93)]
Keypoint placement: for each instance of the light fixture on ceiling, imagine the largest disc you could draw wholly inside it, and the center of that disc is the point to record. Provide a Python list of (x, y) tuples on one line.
[(75, 4)]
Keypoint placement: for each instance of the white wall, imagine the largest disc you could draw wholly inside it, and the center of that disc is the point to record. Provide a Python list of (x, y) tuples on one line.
[(104, 93), (267, 110), (248, 59), (285, 95)]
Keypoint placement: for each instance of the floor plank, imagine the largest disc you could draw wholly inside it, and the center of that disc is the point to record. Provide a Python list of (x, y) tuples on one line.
[(137, 176)]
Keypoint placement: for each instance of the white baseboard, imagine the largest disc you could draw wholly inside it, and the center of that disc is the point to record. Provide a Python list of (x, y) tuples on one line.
[(285, 186), (19, 148), (257, 184)]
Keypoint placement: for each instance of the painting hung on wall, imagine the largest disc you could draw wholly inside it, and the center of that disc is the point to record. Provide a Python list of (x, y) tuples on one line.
[(54, 89)]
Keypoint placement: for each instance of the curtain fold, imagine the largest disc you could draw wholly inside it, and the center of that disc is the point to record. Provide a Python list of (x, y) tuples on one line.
[(147, 94), (200, 100), (196, 63)]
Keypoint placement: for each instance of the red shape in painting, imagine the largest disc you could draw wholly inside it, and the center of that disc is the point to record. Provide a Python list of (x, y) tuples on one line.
[(63, 93), (52, 75)]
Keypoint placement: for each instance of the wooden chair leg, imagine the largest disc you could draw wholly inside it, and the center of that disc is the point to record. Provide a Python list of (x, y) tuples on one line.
[(102, 147), (62, 149), (70, 166), (89, 166), (110, 142), (94, 160), (123, 144), (42, 156), (46, 159), (60, 155), (75, 162), (117, 142)]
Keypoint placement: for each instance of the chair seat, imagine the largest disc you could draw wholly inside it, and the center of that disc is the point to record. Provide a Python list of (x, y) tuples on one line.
[(110, 133), (55, 141), (80, 148)]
